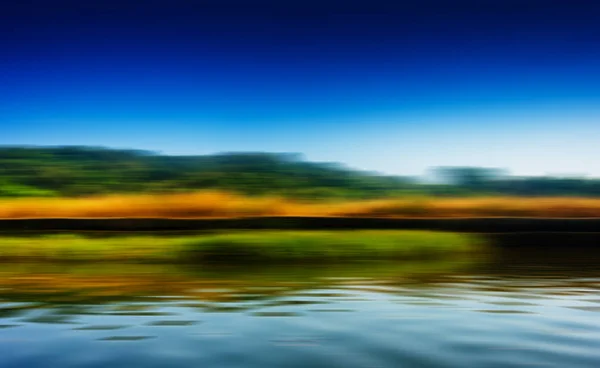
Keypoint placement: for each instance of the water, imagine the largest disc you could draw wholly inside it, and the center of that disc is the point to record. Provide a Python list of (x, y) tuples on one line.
[(505, 313)]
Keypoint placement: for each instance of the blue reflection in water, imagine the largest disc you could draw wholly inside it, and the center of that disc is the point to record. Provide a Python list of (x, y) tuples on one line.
[(370, 315)]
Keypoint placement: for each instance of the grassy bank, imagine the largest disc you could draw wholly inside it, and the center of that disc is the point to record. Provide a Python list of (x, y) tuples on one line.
[(220, 204), (253, 246)]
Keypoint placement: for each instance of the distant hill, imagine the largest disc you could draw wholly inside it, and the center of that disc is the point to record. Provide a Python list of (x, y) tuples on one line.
[(76, 171), (81, 171)]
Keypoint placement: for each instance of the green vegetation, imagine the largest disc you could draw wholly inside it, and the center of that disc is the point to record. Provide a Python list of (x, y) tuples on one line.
[(81, 171), (242, 247), (85, 171)]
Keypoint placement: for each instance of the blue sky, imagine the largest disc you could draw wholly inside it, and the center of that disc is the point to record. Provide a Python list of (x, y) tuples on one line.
[(392, 88)]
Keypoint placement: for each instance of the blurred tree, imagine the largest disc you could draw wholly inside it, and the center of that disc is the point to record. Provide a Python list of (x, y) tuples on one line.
[(469, 177)]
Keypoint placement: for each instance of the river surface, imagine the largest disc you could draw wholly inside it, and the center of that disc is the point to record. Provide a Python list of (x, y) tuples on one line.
[(503, 313)]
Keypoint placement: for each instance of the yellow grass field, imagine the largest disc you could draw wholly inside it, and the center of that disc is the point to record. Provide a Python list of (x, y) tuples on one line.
[(213, 204)]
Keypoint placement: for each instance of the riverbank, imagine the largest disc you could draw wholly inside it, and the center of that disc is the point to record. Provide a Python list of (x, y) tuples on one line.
[(241, 247)]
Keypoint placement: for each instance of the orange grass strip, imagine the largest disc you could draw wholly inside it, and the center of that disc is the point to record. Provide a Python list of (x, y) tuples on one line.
[(217, 204)]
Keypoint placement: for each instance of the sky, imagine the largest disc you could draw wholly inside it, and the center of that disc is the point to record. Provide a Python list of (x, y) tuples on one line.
[(395, 87)]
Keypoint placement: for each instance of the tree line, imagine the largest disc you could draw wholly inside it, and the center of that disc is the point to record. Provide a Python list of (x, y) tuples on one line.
[(82, 171)]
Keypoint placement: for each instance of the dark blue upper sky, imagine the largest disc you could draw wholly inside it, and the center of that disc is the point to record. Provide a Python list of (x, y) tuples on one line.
[(384, 85)]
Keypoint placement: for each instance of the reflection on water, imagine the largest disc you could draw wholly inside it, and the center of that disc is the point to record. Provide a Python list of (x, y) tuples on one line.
[(510, 313)]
